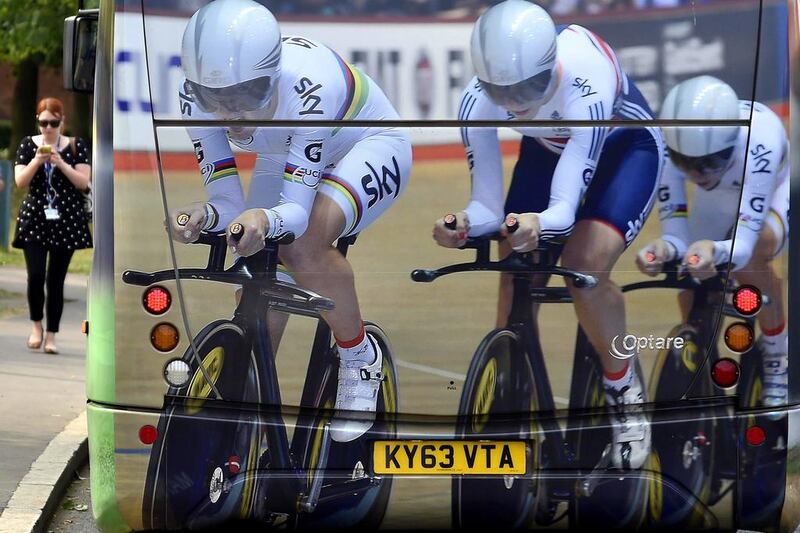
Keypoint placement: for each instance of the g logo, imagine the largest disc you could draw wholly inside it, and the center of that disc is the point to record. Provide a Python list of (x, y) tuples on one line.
[(314, 152), (757, 203)]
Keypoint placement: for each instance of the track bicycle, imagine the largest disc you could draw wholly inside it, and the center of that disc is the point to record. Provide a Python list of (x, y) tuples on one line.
[(223, 453), (507, 395), (702, 452)]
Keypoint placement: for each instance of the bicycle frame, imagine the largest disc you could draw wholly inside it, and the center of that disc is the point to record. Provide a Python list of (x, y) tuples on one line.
[(261, 291)]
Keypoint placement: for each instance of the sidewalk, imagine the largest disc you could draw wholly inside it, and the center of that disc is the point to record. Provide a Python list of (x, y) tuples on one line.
[(40, 393)]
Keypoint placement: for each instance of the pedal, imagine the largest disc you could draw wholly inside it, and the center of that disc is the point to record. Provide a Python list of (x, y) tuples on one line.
[(588, 484), (307, 503)]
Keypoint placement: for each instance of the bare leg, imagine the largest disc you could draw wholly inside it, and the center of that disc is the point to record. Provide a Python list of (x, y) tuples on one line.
[(318, 266), (593, 248)]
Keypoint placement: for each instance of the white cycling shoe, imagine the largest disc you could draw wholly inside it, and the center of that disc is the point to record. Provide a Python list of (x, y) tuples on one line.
[(631, 428), (357, 396)]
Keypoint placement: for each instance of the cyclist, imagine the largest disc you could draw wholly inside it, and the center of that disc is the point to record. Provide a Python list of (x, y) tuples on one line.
[(715, 160), (320, 183), (596, 184)]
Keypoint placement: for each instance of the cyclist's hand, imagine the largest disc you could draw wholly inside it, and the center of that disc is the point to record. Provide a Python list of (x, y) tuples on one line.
[(186, 223), (652, 257), (254, 226), (526, 237), (451, 238), (699, 260)]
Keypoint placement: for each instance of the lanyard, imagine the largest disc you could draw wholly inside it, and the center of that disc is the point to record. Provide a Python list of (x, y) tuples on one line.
[(49, 170)]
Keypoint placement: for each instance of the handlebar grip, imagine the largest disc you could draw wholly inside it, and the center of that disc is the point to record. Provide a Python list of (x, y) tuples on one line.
[(450, 221), (182, 219), (512, 224), (237, 232)]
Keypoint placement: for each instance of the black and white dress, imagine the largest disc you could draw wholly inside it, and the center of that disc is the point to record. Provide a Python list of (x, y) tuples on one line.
[(71, 230)]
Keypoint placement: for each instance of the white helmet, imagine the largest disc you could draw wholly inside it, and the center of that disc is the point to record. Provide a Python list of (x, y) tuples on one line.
[(514, 53), (701, 147), (231, 54)]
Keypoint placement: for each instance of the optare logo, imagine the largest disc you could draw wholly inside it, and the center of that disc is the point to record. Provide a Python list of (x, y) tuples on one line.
[(625, 347)]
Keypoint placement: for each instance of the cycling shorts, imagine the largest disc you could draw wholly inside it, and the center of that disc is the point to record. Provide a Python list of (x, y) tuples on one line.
[(621, 194)]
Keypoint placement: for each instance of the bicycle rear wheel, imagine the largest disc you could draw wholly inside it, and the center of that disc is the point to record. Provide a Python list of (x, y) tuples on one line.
[(683, 451), (201, 464), (761, 484), (352, 496), (618, 501), (497, 402)]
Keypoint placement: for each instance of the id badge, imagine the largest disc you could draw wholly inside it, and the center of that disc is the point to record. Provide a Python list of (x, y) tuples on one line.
[(51, 213)]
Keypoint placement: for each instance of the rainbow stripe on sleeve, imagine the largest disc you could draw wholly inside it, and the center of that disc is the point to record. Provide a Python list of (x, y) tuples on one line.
[(680, 211), (357, 92), (222, 169), (288, 173)]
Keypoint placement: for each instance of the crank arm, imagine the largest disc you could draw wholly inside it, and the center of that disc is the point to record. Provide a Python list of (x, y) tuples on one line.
[(307, 503), (588, 484)]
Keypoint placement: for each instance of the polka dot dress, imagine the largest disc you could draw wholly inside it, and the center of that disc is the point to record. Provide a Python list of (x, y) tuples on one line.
[(71, 231)]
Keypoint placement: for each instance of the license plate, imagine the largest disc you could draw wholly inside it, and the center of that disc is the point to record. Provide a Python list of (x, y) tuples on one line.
[(446, 457)]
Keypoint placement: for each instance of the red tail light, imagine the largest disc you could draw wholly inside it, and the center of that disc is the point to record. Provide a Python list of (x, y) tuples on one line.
[(157, 300), (747, 300)]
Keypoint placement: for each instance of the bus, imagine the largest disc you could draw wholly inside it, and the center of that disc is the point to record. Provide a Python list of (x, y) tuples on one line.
[(202, 415)]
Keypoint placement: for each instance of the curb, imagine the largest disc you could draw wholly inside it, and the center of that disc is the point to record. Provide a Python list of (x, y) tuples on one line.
[(37, 496)]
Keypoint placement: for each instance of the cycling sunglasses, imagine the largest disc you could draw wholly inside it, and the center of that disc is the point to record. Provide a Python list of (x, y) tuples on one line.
[(52, 123), (522, 93), (246, 96), (703, 164)]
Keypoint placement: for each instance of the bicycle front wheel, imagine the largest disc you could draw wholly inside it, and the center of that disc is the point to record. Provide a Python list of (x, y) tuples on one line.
[(200, 466), (497, 403)]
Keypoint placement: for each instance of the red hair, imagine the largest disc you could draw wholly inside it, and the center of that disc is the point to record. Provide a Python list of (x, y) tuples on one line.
[(54, 105)]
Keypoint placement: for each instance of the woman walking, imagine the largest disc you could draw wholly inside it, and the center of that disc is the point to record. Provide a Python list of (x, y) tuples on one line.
[(51, 220)]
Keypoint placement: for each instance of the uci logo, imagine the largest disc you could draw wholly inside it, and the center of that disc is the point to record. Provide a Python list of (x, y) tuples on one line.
[(314, 152)]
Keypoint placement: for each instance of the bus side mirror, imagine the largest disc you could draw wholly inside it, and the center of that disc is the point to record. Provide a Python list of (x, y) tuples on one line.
[(80, 46)]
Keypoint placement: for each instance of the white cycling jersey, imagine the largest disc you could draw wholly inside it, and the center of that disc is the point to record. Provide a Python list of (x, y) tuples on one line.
[(765, 177), (314, 84), (591, 86)]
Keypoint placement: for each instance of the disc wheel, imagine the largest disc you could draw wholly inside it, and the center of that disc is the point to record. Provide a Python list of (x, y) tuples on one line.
[(351, 462), (499, 385), (683, 450), (200, 465)]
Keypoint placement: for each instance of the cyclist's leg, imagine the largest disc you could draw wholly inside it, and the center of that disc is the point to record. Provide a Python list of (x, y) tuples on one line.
[(616, 205), (761, 272), (529, 192), (353, 194)]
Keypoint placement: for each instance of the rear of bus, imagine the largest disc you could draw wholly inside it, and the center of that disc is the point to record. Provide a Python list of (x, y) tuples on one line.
[(145, 165)]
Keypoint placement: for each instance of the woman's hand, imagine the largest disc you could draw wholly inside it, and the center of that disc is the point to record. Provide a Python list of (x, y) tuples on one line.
[(451, 237), (57, 161), (526, 237), (650, 259), (42, 155), (186, 223), (699, 260), (247, 232)]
